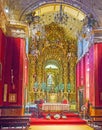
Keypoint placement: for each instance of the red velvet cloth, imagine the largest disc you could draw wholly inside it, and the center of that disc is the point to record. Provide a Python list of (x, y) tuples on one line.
[(69, 120), (77, 75), (2, 62), (87, 76), (65, 101), (92, 75), (12, 56), (95, 74)]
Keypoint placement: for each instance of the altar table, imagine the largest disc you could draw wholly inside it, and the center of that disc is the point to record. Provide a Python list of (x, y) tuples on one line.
[(55, 107)]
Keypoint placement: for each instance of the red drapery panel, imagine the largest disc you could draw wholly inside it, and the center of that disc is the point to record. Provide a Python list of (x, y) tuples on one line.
[(77, 75), (98, 73), (2, 63), (14, 71), (95, 74), (20, 65), (82, 69), (92, 75), (26, 71), (87, 76)]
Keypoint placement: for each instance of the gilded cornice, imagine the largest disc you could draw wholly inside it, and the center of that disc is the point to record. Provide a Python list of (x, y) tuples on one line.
[(11, 28), (17, 29), (3, 18)]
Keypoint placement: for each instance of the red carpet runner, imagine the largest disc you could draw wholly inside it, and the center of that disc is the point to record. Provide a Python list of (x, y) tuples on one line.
[(71, 119)]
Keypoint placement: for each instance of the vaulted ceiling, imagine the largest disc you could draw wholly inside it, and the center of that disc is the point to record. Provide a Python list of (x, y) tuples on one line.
[(76, 10)]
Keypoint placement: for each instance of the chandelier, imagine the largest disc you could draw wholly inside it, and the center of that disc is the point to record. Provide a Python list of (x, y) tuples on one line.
[(61, 17)]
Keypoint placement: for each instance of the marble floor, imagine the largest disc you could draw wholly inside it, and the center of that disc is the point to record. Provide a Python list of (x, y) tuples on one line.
[(60, 127)]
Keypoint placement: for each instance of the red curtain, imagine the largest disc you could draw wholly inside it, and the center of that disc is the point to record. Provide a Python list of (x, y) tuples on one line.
[(92, 75), (87, 85), (13, 55), (77, 75), (98, 73), (2, 63)]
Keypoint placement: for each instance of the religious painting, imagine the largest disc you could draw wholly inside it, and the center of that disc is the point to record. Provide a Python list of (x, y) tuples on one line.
[(12, 97), (0, 71)]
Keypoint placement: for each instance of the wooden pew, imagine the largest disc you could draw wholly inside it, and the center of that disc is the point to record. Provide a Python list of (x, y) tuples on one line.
[(14, 121), (95, 120)]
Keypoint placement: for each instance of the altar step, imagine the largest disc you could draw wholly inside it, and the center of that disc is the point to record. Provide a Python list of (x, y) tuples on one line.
[(68, 114), (72, 118)]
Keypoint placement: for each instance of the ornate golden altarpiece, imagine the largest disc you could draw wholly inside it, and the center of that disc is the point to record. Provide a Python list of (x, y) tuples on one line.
[(59, 50)]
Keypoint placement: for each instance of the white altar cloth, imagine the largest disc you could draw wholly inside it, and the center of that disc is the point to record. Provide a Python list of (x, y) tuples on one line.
[(55, 107)]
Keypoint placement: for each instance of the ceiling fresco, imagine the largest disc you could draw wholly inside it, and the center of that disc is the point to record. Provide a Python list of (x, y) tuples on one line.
[(74, 10), (20, 7)]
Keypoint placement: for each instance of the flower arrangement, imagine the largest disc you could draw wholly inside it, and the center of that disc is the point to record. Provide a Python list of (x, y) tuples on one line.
[(48, 116), (57, 116)]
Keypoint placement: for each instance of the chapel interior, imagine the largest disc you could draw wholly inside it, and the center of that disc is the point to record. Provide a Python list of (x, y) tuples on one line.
[(51, 59)]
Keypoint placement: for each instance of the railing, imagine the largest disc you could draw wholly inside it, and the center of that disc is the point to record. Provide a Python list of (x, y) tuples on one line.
[(95, 121), (14, 121)]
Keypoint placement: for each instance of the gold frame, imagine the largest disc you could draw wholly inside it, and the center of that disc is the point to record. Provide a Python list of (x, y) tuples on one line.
[(12, 97), (5, 92)]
